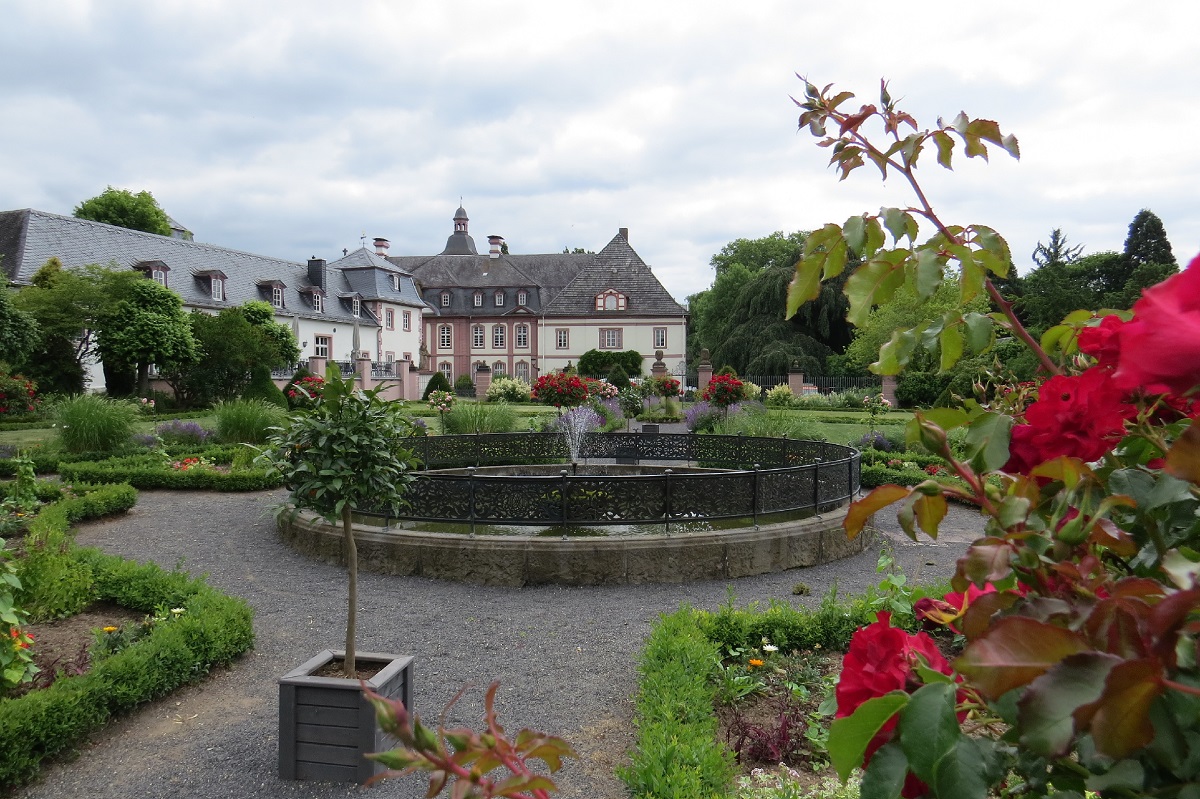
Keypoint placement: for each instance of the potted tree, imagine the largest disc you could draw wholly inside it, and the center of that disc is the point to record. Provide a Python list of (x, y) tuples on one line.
[(347, 452)]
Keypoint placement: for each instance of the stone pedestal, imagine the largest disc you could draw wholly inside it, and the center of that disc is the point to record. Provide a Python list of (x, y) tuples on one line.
[(704, 371), (483, 381)]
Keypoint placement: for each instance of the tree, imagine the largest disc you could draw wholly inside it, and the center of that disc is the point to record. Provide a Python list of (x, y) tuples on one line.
[(777, 249), (1057, 251), (147, 327), (1147, 241), (262, 316), (18, 330), (348, 453), (65, 304), (228, 348), (123, 208)]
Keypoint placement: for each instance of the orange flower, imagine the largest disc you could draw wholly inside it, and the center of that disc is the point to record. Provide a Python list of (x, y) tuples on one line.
[(755, 663)]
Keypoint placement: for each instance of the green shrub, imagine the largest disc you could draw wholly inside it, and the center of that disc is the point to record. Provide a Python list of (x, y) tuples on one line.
[(437, 383), (920, 389), (92, 423), (508, 389), (618, 377), (464, 386), (480, 417), (677, 754), (149, 472), (754, 420), (780, 396), (214, 629), (248, 421), (53, 583), (262, 387)]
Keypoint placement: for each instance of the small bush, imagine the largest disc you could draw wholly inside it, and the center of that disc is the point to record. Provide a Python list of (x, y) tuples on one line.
[(508, 389), (780, 396), (618, 377), (248, 421), (753, 419), (91, 423), (178, 431), (18, 395), (481, 417), (150, 472), (464, 386), (262, 387), (703, 417), (436, 383)]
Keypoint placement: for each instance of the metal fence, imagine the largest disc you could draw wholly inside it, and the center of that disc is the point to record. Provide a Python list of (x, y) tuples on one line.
[(757, 476)]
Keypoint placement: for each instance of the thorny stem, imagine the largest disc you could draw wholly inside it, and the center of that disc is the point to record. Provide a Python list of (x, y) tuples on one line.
[(1187, 689)]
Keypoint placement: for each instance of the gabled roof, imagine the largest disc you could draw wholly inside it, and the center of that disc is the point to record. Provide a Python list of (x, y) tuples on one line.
[(616, 267), (370, 275), (29, 238)]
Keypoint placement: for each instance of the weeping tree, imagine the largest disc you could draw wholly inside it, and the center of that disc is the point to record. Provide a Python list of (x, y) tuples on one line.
[(347, 453)]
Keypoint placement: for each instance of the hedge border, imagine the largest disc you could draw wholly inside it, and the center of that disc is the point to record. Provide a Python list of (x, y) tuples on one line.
[(140, 473), (214, 630)]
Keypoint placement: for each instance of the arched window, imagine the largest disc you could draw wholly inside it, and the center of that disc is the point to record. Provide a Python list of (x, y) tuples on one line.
[(521, 371), (498, 336), (610, 300), (522, 333), (444, 337), (477, 336), (498, 369)]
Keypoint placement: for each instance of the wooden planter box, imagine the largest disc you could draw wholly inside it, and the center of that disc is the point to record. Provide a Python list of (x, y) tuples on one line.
[(326, 725)]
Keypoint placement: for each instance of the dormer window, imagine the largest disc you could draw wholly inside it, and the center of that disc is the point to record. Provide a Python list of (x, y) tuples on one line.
[(499, 298), (277, 296), (522, 298), (395, 282), (218, 289), (356, 306), (610, 300), (214, 281), (155, 270), (478, 299), (445, 299), (318, 303)]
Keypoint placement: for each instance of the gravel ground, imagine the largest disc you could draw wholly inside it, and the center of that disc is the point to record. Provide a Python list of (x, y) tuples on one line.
[(565, 657)]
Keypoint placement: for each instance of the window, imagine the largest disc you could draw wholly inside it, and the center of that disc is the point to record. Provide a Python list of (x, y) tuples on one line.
[(395, 282), (406, 319), (610, 338), (444, 337), (321, 346), (611, 300), (522, 337), (478, 299), (522, 371), (522, 298), (446, 369), (498, 369), (499, 298), (318, 304), (277, 296), (498, 336), (477, 336), (660, 337), (356, 306), (389, 319), (562, 338), (389, 357), (445, 299), (159, 276), (218, 289)]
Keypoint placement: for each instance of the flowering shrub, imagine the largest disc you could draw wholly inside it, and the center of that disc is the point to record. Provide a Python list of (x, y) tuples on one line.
[(780, 396), (508, 389), (16, 661), (178, 431), (442, 401), (723, 391), (305, 391), (1080, 607), (560, 390), (664, 386), (18, 395), (751, 392), (188, 464), (601, 389)]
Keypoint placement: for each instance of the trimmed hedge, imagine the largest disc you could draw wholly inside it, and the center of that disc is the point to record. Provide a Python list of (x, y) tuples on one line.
[(214, 630), (677, 754), (146, 471)]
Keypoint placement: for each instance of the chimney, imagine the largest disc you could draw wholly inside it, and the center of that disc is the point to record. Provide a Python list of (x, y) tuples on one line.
[(494, 245), (381, 246), (624, 233), (316, 272)]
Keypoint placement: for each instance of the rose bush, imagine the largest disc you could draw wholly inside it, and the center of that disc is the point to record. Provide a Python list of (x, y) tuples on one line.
[(1079, 607), (560, 389)]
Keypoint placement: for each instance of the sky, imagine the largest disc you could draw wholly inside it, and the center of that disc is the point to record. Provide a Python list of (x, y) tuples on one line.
[(293, 129)]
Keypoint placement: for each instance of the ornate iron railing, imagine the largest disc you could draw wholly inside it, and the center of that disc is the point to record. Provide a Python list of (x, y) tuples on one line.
[(751, 477)]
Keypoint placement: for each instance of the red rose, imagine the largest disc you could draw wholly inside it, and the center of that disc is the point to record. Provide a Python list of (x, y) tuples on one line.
[(1160, 346), (1103, 341), (1079, 417)]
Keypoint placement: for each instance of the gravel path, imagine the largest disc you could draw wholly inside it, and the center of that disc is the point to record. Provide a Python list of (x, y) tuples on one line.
[(565, 657)]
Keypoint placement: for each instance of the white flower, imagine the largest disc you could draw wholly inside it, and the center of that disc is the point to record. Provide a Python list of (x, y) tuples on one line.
[(770, 648), (178, 611)]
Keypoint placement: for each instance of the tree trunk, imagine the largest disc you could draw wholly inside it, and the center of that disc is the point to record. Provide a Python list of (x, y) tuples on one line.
[(352, 569)]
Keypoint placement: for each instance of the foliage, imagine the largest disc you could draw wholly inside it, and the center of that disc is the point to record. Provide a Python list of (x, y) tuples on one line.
[(465, 758), (16, 662), (918, 389), (1147, 241), (668, 411), (92, 423), (215, 629), (508, 389), (722, 391), (123, 208), (347, 452), (1079, 606), (284, 349), (147, 327), (19, 332), (618, 377), (702, 417), (600, 362), (248, 421), (18, 395), (303, 392), (480, 417), (780, 396), (153, 472), (560, 389), (631, 401), (178, 431), (663, 386), (677, 754), (464, 386), (441, 401), (263, 389), (753, 419), (436, 383)]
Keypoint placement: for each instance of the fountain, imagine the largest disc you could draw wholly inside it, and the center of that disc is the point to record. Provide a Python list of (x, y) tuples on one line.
[(691, 507), (574, 425)]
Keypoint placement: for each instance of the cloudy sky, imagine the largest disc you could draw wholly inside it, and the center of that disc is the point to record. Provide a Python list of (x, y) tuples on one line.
[(293, 128)]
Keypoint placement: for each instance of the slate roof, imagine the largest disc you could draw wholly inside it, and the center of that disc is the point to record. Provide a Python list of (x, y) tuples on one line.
[(29, 238), (369, 275)]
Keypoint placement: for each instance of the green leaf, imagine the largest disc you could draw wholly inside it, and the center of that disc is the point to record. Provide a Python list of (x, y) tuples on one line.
[(896, 353), (874, 283), (951, 342), (1121, 724), (849, 736), (861, 511), (945, 147), (1047, 710), (875, 237), (930, 271), (928, 729), (1059, 338), (806, 284), (946, 418), (980, 331), (1014, 651), (896, 222), (985, 129), (855, 232), (885, 774), (987, 441)]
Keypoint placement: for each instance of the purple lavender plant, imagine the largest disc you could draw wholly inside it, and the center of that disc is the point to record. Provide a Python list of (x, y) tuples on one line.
[(178, 431)]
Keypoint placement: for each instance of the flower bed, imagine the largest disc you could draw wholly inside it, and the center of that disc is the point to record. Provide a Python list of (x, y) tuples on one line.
[(151, 471)]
